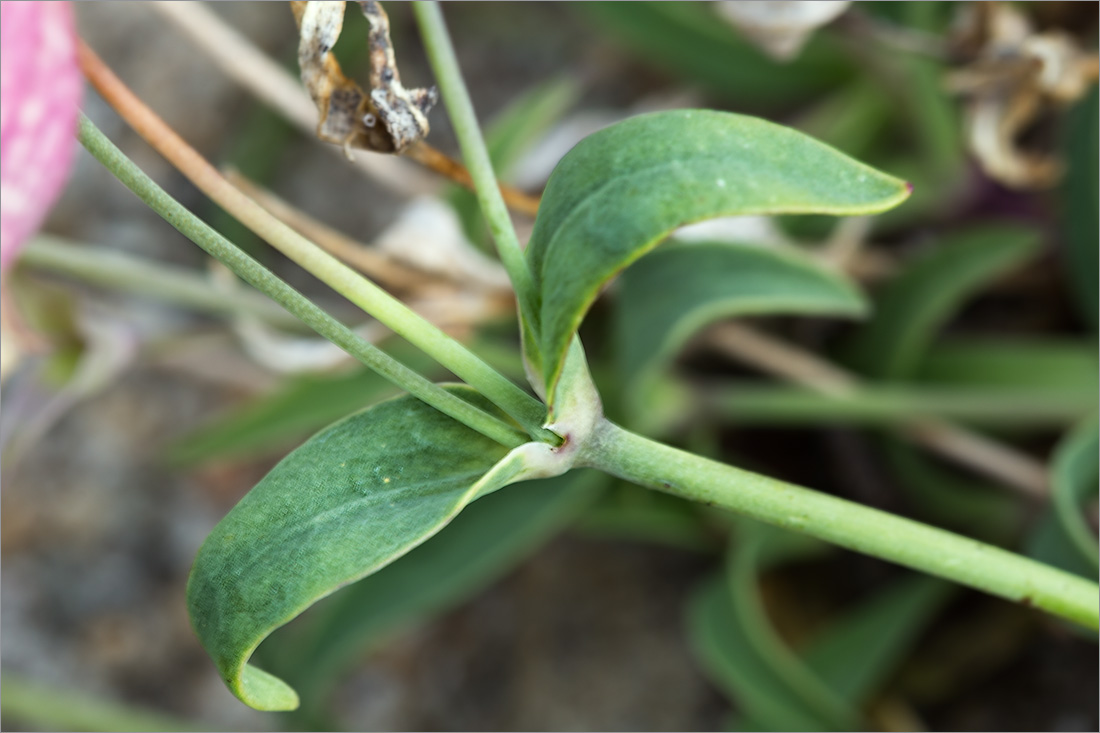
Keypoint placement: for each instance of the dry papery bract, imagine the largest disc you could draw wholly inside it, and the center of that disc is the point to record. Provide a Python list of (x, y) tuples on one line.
[(1011, 77), (390, 117)]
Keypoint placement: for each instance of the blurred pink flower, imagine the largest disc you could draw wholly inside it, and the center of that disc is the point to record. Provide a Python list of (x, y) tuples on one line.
[(40, 86)]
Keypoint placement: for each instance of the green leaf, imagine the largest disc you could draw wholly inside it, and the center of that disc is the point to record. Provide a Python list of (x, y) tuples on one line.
[(689, 39), (979, 508), (628, 512), (676, 291), (619, 192), (351, 500), (300, 407), (824, 687), (727, 655), (482, 543), (1074, 479), (731, 636), (856, 653), (909, 314), (1024, 363), (1082, 210)]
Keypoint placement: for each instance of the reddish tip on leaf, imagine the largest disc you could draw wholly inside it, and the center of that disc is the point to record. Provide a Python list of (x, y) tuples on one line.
[(40, 85), (908, 187)]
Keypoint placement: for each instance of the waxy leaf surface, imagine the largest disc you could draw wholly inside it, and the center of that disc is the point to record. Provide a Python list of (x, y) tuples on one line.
[(352, 499), (489, 538), (621, 191)]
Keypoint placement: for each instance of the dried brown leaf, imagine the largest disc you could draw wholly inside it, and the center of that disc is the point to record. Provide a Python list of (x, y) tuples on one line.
[(390, 117)]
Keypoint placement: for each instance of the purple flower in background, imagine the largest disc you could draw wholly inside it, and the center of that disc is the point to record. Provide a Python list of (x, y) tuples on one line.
[(40, 86)]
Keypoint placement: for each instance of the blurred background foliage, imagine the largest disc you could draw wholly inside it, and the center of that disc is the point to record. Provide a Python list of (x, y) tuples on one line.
[(939, 361)]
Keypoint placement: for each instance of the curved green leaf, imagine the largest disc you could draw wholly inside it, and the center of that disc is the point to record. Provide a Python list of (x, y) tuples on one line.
[(1073, 479), (758, 547), (483, 542), (622, 190), (737, 647), (824, 687), (676, 291), (857, 652), (916, 305), (724, 650), (352, 499)]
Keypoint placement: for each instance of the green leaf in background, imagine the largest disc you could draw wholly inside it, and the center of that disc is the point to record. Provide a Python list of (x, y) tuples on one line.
[(523, 123), (1082, 210), (676, 291), (852, 119), (908, 316), (721, 645), (754, 402), (951, 499), (740, 651), (914, 306), (1073, 480), (45, 707), (297, 409), (489, 538), (622, 190), (1018, 362), (351, 500), (691, 40), (630, 513), (827, 684), (857, 652)]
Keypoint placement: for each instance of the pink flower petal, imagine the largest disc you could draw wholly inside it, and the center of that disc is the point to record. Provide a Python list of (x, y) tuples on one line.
[(40, 86)]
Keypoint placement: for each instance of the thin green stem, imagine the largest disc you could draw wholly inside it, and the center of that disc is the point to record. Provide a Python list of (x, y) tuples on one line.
[(264, 280), (894, 404), (508, 396), (475, 154), (126, 273), (51, 708), (854, 526)]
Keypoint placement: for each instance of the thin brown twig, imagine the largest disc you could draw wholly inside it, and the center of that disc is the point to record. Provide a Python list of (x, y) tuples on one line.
[(376, 265), (430, 157), (964, 447)]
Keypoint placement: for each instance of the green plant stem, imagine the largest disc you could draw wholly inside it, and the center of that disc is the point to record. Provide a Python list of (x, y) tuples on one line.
[(475, 154), (123, 272), (524, 408), (265, 281), (51, 708), (841, 522)]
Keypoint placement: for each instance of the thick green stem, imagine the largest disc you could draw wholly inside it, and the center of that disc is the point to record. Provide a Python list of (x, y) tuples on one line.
[(264, 280), (854, 526), (125, 273), (475, 154)]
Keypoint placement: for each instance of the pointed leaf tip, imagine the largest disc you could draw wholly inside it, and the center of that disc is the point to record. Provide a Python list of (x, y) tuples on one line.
[(621, 191)]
